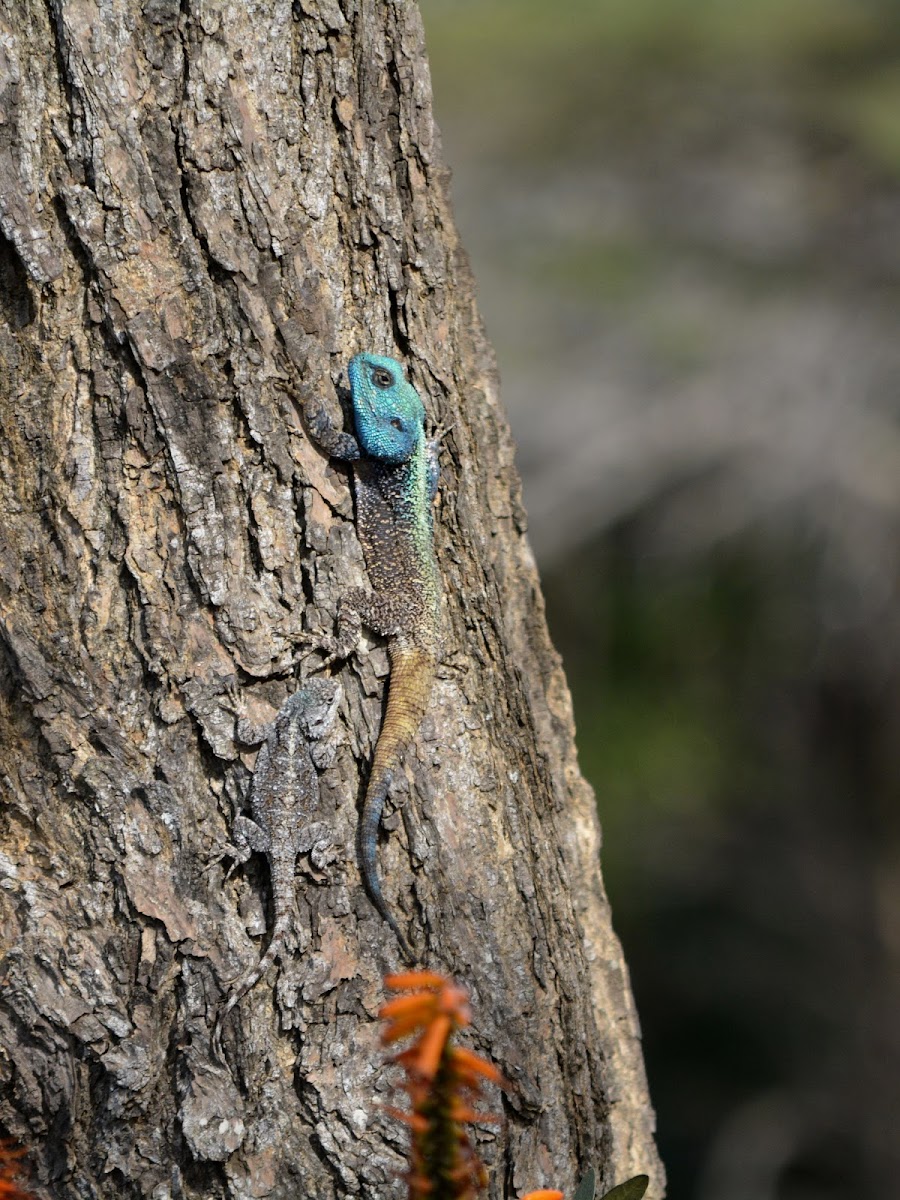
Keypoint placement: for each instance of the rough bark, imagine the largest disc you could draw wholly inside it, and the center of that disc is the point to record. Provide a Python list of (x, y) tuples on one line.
[(200, 202)]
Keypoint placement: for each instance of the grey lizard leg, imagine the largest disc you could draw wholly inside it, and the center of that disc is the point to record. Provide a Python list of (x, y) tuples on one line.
[(248, 836), (323, 753), (248, 733), (348, 629)]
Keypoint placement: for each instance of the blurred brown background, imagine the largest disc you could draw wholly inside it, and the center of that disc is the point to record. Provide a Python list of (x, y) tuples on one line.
[(684, 218)]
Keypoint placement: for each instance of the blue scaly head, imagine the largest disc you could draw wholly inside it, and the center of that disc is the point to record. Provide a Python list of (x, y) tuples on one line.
[(387, 411)]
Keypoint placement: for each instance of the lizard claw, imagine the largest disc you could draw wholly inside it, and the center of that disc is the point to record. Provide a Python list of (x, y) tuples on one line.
[(323, 644), (452, 667), (288, 387), (220, 852), (232, 700), (225, 850), (340, 645), (440, 431)]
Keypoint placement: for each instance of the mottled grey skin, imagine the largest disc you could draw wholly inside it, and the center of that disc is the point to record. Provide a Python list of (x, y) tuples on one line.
[(284, 795), (395, 476)]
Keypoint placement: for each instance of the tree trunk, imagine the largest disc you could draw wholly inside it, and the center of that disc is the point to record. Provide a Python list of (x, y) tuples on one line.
[(201, 203)]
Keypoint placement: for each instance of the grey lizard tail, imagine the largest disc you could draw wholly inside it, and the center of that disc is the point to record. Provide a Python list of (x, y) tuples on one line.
[(252, 977), (412, 671)]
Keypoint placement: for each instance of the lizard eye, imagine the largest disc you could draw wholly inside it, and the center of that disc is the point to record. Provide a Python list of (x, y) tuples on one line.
[(382, 378), (396, 422)]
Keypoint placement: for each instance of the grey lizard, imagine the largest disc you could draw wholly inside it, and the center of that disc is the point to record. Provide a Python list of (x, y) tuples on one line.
[(284, 795)]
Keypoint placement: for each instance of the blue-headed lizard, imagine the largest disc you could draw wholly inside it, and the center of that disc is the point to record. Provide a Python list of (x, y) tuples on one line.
[(395, 475)]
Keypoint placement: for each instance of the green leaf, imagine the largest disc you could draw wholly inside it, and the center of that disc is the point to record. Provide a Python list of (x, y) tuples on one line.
[(588, 1186), (631, 1189)]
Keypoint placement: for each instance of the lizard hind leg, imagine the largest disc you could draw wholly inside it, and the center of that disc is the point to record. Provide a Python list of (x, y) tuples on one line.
[(350, 618)]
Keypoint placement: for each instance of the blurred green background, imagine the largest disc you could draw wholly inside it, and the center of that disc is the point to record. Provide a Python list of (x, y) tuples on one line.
[(684, 220)]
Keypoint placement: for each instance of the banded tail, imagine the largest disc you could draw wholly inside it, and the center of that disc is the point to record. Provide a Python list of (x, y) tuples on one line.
[(283, 901), (412, 671)]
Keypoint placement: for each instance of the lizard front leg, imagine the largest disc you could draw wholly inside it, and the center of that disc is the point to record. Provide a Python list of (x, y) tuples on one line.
[(335, 442), (247, 837)]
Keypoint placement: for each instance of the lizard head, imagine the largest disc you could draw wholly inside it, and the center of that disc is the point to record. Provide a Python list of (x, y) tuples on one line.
[(387, 411), (315, 704)]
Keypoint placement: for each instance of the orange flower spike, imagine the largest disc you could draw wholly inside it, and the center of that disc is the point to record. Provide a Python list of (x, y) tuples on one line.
[(544, 1194), (402, 1027), (441, 1082), (10, 1190), (418, 1002), (455, 1003), (405, 1059), (419, 1186), (416, 1122), (469, 1066), (431, 1046), (9, 1169), (464, 1113), (407, 981)]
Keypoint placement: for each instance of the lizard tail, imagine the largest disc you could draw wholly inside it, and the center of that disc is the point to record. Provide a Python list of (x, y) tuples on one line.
[(251, 978), (412, 671)]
